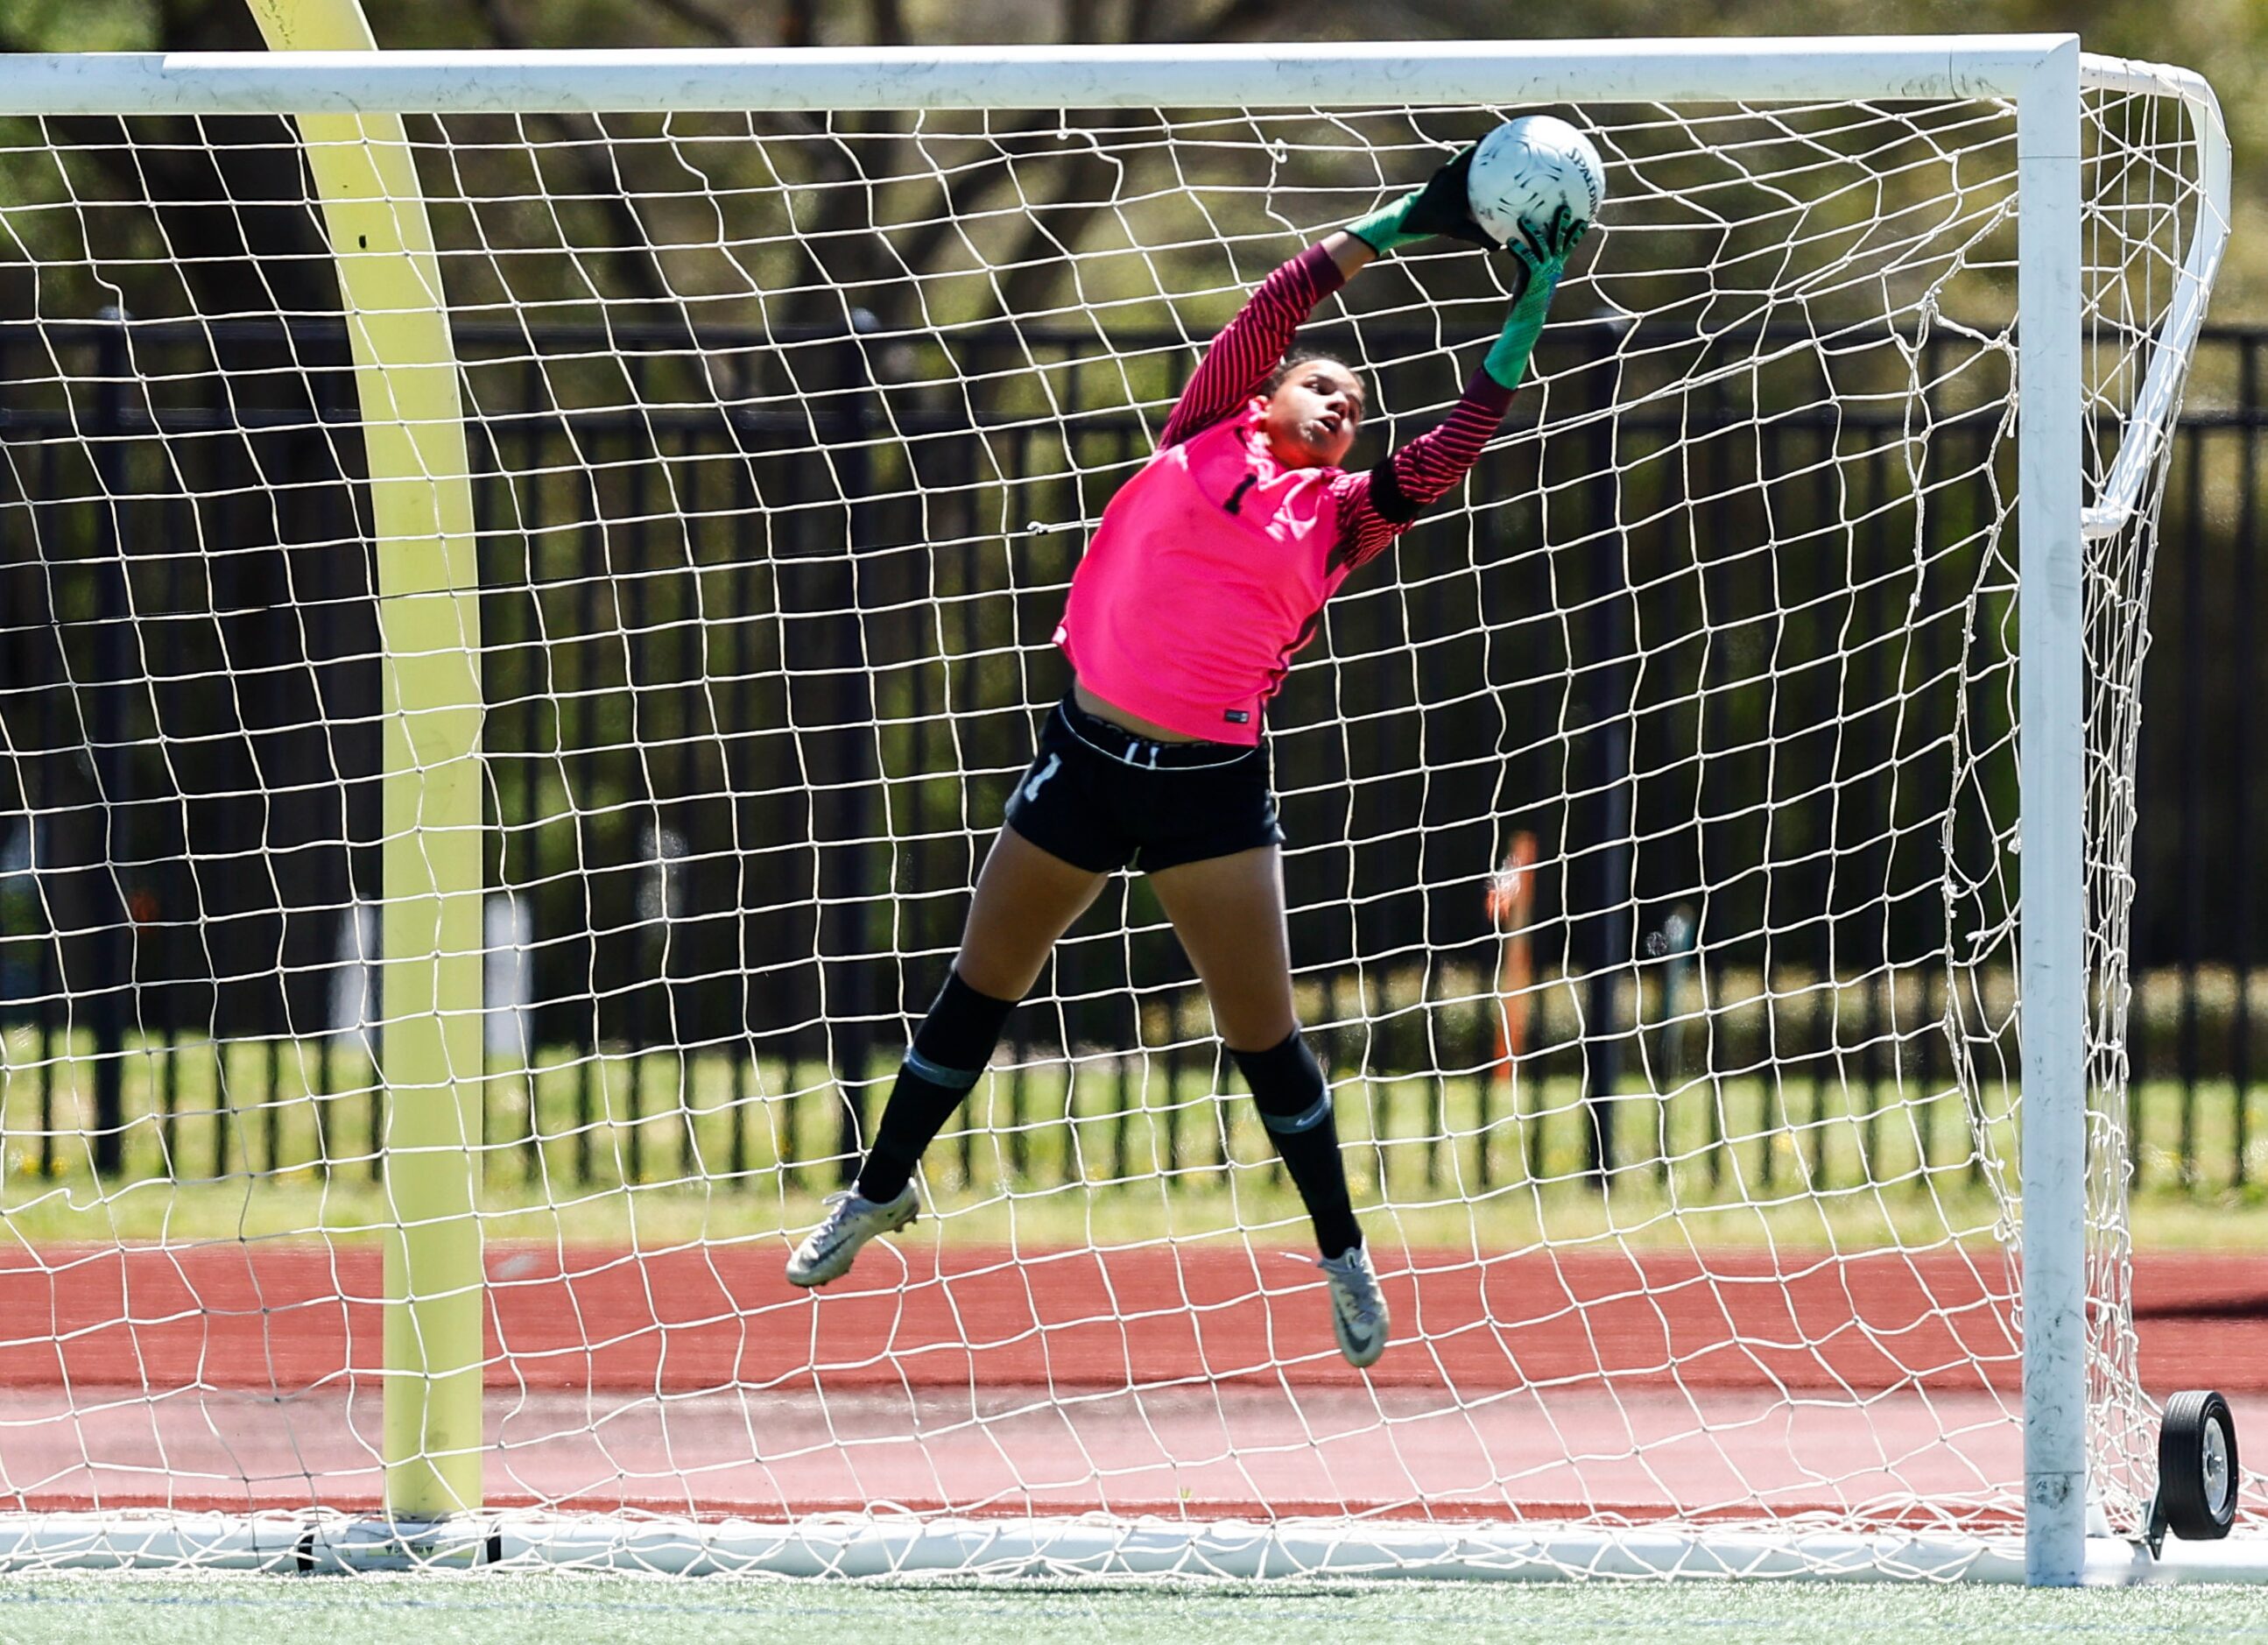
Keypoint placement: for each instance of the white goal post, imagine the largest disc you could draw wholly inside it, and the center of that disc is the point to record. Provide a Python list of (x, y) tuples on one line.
[(1928, 342)]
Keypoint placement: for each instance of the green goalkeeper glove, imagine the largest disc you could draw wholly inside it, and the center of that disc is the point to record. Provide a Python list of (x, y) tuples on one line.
[(1543, 251), (1440, 207)]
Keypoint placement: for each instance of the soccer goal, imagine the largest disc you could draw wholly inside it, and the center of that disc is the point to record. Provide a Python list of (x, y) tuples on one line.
[(529, 577)]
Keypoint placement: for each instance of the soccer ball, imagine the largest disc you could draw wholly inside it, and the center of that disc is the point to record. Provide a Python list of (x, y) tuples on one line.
[(1530, 167)]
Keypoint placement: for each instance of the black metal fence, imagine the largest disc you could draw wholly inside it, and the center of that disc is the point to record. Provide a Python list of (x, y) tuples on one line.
[(737, 776)]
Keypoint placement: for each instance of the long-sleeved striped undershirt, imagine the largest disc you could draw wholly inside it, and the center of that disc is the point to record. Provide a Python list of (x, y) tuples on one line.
[(1211, 566)]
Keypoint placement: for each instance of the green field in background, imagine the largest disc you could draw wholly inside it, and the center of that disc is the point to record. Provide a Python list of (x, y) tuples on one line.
[(624, 1611), (712, 1147)]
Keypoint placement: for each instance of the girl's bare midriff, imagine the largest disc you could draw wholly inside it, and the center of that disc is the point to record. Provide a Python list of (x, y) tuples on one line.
[(1125, 721)]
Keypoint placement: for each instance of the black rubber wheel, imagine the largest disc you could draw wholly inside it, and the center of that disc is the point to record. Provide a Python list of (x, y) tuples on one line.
[(2197, 1466)]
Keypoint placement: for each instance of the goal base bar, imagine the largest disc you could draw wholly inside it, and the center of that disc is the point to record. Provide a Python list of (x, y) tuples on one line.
[(870, 1547)]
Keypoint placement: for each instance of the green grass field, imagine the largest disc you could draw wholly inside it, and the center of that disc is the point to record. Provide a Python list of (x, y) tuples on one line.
[(225, 1141), (546, 1610)]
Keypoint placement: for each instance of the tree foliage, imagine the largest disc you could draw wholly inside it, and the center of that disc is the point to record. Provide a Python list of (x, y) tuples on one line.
[(2227, 39)]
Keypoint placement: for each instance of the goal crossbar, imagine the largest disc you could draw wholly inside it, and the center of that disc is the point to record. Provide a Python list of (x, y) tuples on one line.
[(1023, 77)]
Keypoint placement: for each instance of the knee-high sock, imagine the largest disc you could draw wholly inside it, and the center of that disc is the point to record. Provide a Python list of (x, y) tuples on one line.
[(950, 1050), (1295, 1105)]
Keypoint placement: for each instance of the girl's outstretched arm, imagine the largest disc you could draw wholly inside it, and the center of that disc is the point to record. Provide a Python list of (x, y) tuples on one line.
[(1376, 508), (1250, 345)]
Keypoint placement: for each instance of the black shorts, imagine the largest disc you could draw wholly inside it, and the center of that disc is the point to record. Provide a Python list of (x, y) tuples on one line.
[(1102, 799)]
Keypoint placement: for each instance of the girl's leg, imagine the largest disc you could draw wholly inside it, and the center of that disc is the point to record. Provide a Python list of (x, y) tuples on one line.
[(1026, 899), (1229, 911)]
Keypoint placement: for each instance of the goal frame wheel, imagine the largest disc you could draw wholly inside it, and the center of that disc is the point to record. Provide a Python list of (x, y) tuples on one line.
[(2198, 1470)]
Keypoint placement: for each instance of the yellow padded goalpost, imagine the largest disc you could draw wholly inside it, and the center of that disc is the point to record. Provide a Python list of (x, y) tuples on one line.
[(430, 1057)]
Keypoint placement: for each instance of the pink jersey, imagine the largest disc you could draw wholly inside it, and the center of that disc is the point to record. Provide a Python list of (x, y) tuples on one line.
[(1210, 567)]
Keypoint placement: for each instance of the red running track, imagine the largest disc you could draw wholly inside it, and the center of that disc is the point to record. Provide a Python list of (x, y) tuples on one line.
[(288, 1318), (1197, 1377)]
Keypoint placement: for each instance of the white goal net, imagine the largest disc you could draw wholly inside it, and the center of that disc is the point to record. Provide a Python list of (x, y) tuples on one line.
[(1653, 818)]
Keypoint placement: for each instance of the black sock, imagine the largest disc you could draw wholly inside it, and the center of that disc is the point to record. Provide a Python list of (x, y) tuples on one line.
[(950, 1050), (1295, 1105)]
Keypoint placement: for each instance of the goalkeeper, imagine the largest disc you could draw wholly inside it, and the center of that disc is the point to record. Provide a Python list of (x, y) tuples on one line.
[(1208, 572)]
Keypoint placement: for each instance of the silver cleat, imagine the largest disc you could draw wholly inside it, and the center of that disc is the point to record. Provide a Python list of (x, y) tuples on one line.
[(826, 1252), (1359, 1316)]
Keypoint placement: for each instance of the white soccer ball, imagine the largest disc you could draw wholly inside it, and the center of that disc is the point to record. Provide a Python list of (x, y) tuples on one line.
[(1530, 167)]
